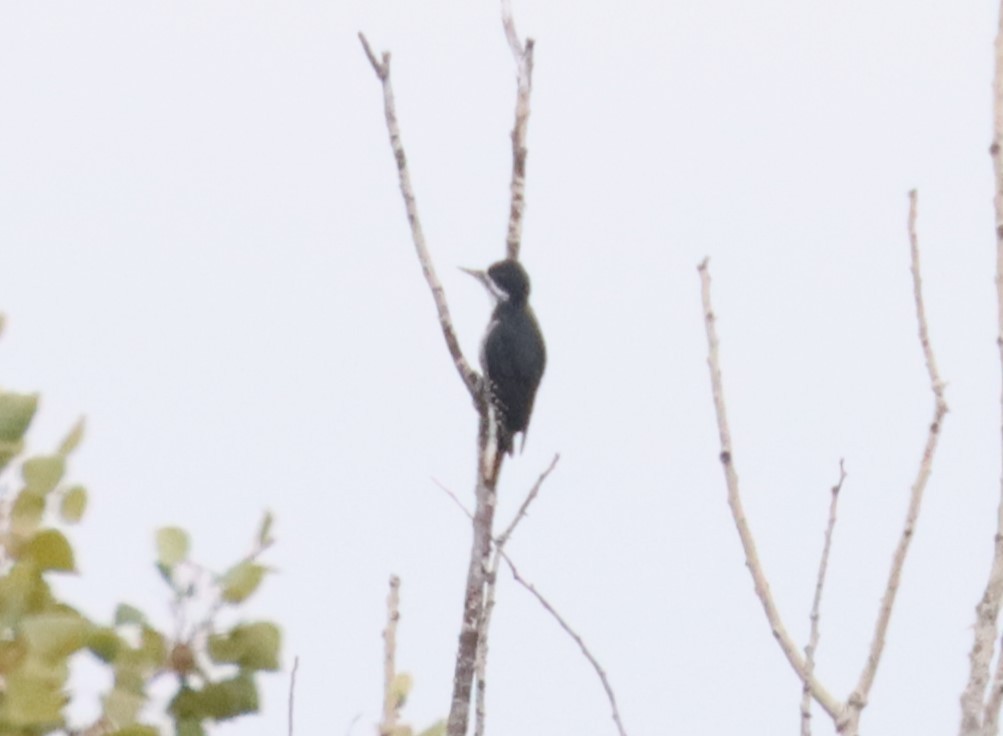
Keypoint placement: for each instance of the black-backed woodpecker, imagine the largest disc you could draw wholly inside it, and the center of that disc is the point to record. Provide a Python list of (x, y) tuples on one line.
[(513, 355)]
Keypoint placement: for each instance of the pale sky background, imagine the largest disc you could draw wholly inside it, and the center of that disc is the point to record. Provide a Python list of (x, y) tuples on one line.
[(204, 251)]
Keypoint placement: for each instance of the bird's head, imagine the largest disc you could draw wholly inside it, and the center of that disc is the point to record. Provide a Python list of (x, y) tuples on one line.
[(506, 281)]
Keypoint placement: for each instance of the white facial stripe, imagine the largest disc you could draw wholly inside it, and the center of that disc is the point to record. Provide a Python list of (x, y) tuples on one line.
[(496, 292)]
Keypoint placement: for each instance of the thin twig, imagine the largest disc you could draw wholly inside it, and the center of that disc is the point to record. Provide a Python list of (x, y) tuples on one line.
[(857, 700), (382, 68), (292, 691), (391, 697), (502, 538), (816, 604), (523, 55), (553, 612), (829, 703), (489, 599), (610, 695), (975, 720)]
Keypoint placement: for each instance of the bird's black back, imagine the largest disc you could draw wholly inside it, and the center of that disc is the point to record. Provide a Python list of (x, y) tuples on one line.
[(514, 358)]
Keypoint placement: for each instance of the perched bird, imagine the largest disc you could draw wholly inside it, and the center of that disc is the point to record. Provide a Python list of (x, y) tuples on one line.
[(513, 355)]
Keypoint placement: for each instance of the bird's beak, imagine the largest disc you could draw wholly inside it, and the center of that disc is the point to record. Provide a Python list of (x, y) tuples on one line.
[(479, 275)]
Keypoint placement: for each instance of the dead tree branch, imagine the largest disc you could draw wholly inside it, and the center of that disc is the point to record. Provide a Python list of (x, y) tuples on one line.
[(978, 718), (846, 716), (858, 698), (489, 598), (470, 377), (391, 696), (489, 460), (816, 604), (488, 463), (829, 703), (292, 693), (610, 695), (523, 55)]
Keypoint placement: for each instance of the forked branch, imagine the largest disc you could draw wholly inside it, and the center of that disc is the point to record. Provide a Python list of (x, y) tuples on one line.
[(790, 649), (846, 716)]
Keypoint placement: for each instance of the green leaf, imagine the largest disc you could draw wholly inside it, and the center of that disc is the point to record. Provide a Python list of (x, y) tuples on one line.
[(26, 514), (189, 727), (104, 643), (122, 707), (72, 439), (9, 451), (55, 635), (130, 675), (186, 705), (400, 688), (137, 729), (31, 701), (73, 504), (43, 473), (49, 550), (126, 614), (249, 646), (265, 530), (22, 591), (436, 729), (153, 648), (241, 580), (172, 546), (16, 412), (230, 698), (12, 654)]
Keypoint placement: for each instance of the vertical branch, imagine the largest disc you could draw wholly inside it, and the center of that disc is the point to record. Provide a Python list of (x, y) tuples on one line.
[(292, 692), (477, 577), (858, 699), (391, 694), (816, 604), (523, 55), (489, 598), (829, 703), (987, 610)]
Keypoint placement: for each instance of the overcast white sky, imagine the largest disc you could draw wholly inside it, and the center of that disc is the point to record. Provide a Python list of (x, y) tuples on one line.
[(204, 251)]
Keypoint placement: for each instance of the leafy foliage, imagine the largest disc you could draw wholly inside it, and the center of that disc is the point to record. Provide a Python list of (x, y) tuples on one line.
[(214, 672)]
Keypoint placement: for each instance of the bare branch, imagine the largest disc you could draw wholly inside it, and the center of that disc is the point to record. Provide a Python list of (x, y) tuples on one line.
[(826, 700), (292, 691), (812, 646), (991, 713), (477, 576), (988, 608), (578, 640), (829, 703), (523, 55), (391, 697), (382, 69), (502, 538), (858, 698), (489, 598), (546, 604)]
